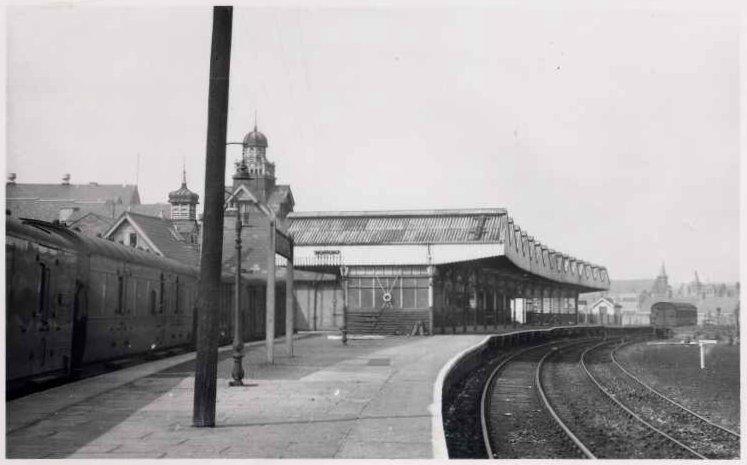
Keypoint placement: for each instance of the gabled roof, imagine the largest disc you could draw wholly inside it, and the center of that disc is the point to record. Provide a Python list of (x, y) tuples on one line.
[(279, 195), (162, 235), (125, 193), (606, 299), (91, 224), (49, 210), (44, 201), (160, 210)]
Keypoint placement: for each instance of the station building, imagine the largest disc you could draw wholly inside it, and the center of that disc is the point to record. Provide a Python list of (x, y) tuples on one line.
[(439, 271), (417, 271)]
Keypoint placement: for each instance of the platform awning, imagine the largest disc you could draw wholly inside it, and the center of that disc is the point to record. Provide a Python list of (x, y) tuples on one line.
[(431, 237)]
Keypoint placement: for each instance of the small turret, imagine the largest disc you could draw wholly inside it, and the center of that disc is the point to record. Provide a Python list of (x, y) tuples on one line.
[(183, 201)]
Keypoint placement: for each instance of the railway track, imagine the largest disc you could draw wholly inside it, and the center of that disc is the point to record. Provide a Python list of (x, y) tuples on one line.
[(604, 429), (697, 434), (653, 436), (575, 400), (514, 416)]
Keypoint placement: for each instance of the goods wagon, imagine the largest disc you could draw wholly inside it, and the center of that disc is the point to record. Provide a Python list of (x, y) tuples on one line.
[(674, 314)]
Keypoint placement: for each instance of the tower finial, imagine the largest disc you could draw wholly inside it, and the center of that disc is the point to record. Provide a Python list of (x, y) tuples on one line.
[(663, 272), (184, 173), (255, 120)]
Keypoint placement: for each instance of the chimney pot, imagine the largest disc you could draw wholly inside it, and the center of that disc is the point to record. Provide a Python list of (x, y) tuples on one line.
[(66, 179), (12, 178)]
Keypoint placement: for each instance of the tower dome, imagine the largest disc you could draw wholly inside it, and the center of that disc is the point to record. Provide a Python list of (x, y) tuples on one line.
[(255, 139), (183, 195), (183, 201)]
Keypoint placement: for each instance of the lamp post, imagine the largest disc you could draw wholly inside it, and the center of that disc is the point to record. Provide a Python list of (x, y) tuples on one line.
[(238, 341)]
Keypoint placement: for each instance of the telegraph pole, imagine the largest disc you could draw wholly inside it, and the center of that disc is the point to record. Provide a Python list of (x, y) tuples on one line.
[(212, 240)]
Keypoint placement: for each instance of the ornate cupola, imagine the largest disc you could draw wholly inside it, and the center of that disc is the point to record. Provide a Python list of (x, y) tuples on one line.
[(183, 202), (254, 170)]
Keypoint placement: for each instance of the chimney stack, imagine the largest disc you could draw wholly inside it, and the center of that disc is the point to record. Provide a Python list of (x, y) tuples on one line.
[(12, 178), (66, 179)]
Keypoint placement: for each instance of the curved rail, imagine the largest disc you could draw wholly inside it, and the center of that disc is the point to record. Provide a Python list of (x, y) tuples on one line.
[(671, 401), (554, 415), (611, 397), (486, 389), (489, 383)]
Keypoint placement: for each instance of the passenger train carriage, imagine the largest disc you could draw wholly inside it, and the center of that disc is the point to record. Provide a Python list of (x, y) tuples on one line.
[(73, 300)]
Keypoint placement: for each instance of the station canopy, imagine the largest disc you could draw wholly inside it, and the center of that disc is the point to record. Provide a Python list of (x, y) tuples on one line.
[(432, 238)]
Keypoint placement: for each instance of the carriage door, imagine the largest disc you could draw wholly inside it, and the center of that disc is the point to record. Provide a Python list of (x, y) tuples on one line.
[(80, 327)]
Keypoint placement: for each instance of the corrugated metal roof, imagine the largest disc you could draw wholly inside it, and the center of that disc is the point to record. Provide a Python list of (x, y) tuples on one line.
[(432, 227), (375, 228)]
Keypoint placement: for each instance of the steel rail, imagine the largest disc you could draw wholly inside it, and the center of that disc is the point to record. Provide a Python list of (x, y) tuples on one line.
[(671, 401), (548, 407), (488, 386), (486, 389), (611, 397)]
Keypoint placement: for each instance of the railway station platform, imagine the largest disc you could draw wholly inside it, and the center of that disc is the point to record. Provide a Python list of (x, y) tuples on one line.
[(370, 399)]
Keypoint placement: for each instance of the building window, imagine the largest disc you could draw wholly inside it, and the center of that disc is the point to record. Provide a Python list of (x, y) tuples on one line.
[(404, 293), (133, 239)]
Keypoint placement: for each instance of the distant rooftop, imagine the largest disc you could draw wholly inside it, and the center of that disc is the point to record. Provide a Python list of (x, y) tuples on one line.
[(379, 213)]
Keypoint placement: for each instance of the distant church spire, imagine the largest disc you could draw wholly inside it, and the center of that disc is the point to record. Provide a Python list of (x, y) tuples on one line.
[(663, 272), (661, 284)]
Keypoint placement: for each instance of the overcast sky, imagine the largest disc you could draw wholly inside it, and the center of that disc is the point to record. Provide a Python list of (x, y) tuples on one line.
[(608, 134)]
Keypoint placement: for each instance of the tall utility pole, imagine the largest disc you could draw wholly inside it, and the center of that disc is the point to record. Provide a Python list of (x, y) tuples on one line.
[(212, 239)]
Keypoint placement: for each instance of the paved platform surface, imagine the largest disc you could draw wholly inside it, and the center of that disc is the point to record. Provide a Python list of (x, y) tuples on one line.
[(370, 399)]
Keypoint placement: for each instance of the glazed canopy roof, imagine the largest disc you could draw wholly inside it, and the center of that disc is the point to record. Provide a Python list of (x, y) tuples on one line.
[(369, 237)]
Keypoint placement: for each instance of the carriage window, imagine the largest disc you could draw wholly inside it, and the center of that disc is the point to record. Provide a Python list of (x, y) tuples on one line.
[(161, 294), (176, 295), (152, 303), (120, 294), (43, 289)]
